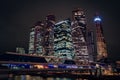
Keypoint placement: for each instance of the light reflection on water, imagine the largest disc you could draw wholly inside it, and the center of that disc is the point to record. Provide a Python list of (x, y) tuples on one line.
[(28, 77)]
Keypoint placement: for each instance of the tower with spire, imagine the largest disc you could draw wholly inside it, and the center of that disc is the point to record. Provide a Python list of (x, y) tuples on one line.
[(100, 41)]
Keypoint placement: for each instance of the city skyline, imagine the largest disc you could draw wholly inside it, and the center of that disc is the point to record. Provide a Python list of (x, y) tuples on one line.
[(69, 38), (66, 39), (18, 17)]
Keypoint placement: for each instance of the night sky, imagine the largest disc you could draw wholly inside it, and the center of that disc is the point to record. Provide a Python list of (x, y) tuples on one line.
[(18, 16)]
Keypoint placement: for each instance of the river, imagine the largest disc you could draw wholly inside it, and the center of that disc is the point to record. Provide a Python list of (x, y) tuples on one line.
[(29, 77)]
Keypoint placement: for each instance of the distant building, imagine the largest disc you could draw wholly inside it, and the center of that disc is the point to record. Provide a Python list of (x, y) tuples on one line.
[(79, 36), (100, 41), (20, 50), (63, 46)]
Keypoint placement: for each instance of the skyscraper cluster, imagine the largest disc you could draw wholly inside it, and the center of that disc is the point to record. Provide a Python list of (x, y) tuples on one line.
[(66, 39)]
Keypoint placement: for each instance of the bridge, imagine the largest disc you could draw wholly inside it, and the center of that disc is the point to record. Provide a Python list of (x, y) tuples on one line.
[(14, 64), (44, 68)]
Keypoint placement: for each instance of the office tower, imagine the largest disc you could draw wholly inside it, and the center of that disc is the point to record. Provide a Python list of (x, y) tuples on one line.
[(63, 47), (79, 36), (91, 45), (100, 41), (36, 39), (49, 35)]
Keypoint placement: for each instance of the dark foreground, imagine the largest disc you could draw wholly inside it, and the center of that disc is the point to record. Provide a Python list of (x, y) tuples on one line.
[(59, 75)]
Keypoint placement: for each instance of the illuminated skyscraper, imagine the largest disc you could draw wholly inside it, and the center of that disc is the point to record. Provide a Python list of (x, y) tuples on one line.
[(63, 47), (100, 41), (49, 35), (79, 36), (36, 38), (42, 37)]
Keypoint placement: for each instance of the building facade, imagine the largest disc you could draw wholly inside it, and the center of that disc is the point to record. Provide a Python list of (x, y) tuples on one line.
[(63, 46)]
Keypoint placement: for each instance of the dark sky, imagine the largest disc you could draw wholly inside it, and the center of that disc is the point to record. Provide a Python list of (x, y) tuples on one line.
[(17, 16)]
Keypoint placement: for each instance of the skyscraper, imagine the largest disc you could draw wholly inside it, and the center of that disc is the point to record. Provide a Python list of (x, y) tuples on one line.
[(79, 36), (63, 47), (49, 35), (100, 41), (91, 45), (36, 38)]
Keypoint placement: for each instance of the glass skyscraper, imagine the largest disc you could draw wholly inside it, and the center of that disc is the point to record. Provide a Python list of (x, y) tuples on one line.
[(36, 39), (91, 45), (63, 46)]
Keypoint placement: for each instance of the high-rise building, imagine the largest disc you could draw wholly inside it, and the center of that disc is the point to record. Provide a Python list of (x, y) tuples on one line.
[(100, 41), (36, 39), (42, 37), (79, 36), (49, 35), (63, 46), (91, 45)]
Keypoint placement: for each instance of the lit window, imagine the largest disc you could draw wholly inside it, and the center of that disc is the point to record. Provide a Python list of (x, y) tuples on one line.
[(79, 13), (76, 14)]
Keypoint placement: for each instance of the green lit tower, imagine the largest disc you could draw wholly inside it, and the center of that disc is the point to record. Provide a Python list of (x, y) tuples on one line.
[(63, 47)]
